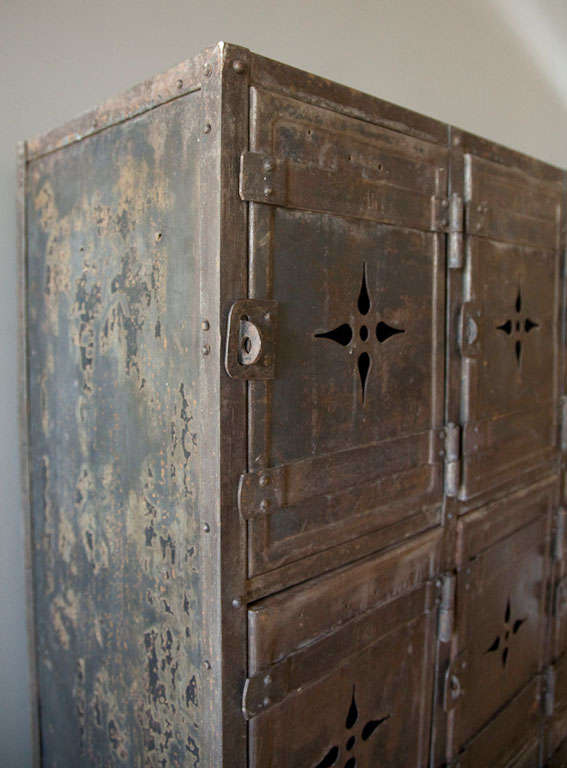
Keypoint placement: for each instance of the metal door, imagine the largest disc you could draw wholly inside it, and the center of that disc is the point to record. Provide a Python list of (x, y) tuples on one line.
[(501, 594), (341, 668), (509, 324), (345, 435)]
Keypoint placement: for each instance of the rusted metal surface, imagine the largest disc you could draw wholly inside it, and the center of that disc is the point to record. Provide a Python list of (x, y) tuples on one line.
[(222, 404), (512, 738), (500, 625), (294, 364), (557, 706), (315, 679), (360, 328), (113, 372), (507, 328)]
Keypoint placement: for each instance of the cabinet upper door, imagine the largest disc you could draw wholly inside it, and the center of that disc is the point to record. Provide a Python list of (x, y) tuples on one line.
[(509, 325), (346, 235)]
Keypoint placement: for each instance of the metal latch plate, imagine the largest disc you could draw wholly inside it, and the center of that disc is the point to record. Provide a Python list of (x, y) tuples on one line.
[(250, 339)]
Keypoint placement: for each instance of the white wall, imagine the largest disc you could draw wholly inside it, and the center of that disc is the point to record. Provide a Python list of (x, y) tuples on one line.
[(495, 67)]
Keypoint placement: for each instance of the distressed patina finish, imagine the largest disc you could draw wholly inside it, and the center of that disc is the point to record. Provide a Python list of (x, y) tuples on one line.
[(293, 432)]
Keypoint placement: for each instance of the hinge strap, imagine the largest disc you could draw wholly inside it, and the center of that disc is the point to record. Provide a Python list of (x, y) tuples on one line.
[(263, 178), (452, 459)]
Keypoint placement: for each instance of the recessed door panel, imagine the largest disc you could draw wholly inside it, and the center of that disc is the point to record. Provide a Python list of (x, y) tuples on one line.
[(505, 203), (512, 739), (509, 345)]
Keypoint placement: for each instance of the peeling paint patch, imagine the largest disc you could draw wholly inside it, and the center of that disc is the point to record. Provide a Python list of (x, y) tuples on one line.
[(112, 257), (64, 612)]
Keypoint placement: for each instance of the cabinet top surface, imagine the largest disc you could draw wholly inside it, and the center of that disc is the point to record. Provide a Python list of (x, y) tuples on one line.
[(187, 76)]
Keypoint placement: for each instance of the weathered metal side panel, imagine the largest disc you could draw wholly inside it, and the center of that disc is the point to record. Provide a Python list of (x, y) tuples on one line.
[(113, 286)]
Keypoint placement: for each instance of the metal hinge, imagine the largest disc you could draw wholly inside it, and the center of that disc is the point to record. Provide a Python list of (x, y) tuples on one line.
[(452, 459), (549, 695), (251, 339), (455, 257), (563, 421), (263, 178), (447, 607)]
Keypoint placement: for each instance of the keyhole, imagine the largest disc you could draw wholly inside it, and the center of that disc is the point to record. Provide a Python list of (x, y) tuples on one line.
[(250, 342)]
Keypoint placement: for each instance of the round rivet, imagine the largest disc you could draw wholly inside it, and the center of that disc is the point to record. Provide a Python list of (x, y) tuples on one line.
[(267, 680), (236, 603), (239, 66), (206, 527), (267, 361), (264, 505), (450, 516), (207, 128), (264, 480), (267, 317), (444, 203), (207, 664), (267, 701), (207, 69), (267, 191), (456, 140), (158, 236), (205, 350), (179, 84), (268, 165), (441, 452), (205, 325), (438, 583)]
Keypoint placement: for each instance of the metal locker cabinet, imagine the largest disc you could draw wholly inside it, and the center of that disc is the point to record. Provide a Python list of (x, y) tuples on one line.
[(292, 367)]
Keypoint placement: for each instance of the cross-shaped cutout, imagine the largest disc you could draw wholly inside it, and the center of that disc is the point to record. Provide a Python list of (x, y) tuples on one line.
[(502, 641), (333, 755), (347, 336), (517, 327)]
